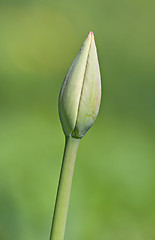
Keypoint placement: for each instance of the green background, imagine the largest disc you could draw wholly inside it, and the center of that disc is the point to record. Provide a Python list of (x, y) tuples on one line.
[(113, 191)]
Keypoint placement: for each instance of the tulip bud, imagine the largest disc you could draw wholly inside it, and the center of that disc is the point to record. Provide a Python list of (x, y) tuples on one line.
[(80, 93)]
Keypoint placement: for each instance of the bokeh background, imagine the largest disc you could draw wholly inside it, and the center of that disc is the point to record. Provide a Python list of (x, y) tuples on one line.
[(113, 191)]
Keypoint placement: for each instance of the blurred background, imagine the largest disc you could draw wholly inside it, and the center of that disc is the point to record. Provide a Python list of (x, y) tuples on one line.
[(113, 191)]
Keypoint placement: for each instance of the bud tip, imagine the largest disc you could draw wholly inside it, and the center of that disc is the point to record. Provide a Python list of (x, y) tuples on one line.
[(91, 34)]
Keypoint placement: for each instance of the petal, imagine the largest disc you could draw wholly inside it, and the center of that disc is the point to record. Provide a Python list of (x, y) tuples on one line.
[(71, 89), (90, 95)]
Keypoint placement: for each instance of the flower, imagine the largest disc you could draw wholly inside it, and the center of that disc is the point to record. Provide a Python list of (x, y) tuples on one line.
[(80, 94)]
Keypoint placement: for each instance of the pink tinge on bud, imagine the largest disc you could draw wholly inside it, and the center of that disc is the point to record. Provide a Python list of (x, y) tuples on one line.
[(91, 34)]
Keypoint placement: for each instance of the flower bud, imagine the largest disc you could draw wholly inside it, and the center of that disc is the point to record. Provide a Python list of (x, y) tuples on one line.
[(80, 94)]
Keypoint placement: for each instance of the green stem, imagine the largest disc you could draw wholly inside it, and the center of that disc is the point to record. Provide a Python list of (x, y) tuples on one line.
[(63, 193)]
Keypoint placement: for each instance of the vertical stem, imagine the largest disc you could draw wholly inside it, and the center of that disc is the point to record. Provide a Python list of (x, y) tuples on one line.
[(63, 193)]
